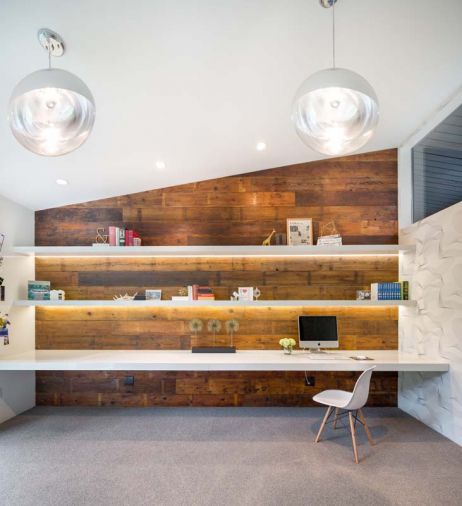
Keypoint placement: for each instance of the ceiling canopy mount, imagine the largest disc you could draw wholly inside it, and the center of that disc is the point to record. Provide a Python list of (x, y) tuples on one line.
[(327, 3), (51, 41)]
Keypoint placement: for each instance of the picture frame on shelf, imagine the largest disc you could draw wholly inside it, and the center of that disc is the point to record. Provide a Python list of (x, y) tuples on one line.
[(299, 231), (153, 294), (245, 293)]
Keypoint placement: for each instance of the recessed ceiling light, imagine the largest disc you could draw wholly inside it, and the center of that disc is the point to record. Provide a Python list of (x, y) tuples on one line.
[(62, 182), (261, 146), (160, 164)]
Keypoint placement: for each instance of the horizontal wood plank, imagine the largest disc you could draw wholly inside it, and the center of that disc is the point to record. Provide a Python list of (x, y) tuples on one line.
[(358, 192)]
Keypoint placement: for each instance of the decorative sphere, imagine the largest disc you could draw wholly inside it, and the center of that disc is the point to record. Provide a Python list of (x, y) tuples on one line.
[(335, 111), (51, 112)]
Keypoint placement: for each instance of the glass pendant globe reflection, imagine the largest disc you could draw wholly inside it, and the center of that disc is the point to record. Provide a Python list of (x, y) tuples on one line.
[(51, 112), (335, 111)]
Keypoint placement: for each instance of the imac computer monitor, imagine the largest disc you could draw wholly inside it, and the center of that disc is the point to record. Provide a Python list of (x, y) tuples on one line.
[(316, 332)]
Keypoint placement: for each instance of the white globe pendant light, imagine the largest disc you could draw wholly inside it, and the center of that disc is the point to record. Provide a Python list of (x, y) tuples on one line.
[(51, 111), (335, 111)]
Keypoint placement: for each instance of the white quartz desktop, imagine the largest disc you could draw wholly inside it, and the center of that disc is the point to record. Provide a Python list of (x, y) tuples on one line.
[(185, 360)]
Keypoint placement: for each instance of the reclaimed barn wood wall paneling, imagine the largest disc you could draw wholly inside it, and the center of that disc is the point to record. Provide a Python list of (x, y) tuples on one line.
[(358, 192)]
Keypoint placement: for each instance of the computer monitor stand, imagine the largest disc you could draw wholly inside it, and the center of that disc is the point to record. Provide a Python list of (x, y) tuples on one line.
[(316, 350)]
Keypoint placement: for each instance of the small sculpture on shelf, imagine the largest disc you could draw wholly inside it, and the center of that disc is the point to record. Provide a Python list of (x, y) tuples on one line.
[(214, 326), (101, 237), (125, 297), (183, 291), (195, 326), (232, 326), (57, 295), (267, 241), (328, 235)]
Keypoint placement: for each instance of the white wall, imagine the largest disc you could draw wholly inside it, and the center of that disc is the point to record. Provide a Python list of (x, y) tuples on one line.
[(435, 327), (17, 389)]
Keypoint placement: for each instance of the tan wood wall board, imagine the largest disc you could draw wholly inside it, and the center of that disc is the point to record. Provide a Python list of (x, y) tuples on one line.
[(106, 388), (358, 192), (167, 328)]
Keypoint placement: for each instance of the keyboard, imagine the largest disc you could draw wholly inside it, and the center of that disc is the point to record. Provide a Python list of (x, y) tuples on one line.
[(327, 357)]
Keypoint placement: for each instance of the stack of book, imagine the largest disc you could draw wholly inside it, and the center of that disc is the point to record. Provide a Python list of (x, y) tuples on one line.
[(330, 240), (196, 292), (390, 291), (123, 237), (205, 293)]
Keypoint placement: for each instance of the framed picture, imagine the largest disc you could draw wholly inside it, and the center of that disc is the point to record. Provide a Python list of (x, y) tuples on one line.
[(245, 293), (299, 231), (153, 294)]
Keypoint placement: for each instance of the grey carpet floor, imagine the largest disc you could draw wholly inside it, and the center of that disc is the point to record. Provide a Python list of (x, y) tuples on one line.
[(220, 456)]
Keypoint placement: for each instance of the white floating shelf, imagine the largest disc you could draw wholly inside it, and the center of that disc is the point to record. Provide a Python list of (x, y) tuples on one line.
[(210, 251), (214, 303)]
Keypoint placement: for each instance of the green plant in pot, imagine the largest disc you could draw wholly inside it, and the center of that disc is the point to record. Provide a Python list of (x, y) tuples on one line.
[(287, 344)]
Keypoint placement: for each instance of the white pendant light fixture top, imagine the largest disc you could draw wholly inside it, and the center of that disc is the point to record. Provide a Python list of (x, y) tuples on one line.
[(336, 110), (51, 111)]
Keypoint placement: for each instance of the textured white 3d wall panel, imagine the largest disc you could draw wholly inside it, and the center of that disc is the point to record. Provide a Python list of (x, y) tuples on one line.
[(435, 326)]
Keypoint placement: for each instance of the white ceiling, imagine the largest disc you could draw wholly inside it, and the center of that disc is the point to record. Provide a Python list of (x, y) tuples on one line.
[(197, 83)]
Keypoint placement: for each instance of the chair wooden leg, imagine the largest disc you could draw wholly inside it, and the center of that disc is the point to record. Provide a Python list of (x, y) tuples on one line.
[(323, 424), (337, 410), (353, 436), (366, 428)]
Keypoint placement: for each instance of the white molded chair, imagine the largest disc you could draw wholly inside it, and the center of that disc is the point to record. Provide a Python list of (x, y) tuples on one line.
[(351, 403)]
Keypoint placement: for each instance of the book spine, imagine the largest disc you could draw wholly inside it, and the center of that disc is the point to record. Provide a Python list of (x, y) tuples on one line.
[(112, 236), (190, 292), (128, 237), (204, 290), (121, 237), (195, 288), (405, 290), (374, 291)]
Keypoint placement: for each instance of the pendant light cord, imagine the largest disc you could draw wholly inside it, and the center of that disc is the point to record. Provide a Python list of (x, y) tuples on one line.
[(333, 35), (49, 54)]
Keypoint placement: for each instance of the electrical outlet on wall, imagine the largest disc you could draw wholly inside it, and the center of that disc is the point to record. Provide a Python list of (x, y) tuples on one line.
[(129, 380), (310, 381)]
